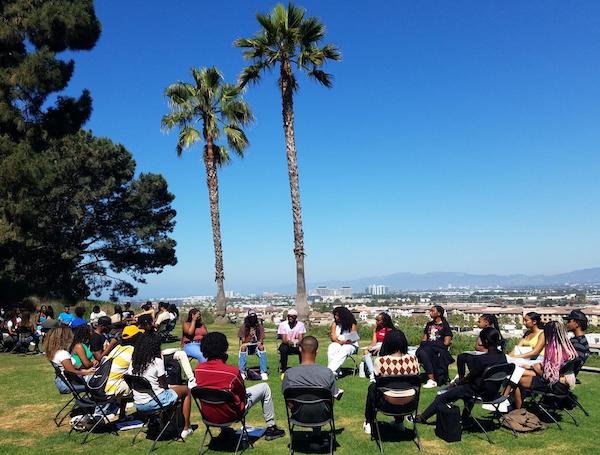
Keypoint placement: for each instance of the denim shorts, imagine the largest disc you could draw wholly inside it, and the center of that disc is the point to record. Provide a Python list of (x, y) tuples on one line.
[(167, 398)]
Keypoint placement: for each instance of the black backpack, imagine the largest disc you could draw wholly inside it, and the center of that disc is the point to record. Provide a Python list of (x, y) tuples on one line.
[(448, 425), (99, 378), (172, 370)]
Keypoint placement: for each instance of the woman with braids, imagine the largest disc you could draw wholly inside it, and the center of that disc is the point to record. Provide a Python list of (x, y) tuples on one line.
[(80, 348), (383, 324), (531, 346), (433, 351), (544, 376), (147, 361), (193, 332), (344, 338), (485, 321), (252, 335), (57, 342)]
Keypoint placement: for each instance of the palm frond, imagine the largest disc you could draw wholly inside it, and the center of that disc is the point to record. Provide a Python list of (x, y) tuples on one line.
[(188, 136), (179, 93), (237, 111), (221, 155), (176, 118), (236, 139), (321, 76), (311, 31), (251, 74), (331, 52), (295, 16)]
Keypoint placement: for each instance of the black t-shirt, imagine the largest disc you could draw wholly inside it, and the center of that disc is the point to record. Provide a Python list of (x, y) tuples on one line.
[(437, 332), (97, 342)]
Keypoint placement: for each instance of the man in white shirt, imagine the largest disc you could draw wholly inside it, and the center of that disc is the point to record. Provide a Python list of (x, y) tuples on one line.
[(291, 333), (163, 314)]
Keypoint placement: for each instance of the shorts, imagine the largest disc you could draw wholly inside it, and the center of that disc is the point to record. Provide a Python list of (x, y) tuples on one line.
[(167, 398)]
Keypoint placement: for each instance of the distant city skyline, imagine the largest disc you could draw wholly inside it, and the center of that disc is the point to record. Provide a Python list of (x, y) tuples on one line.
[(457, 136)]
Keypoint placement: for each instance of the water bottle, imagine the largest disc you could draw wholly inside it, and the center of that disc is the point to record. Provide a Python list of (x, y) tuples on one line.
[(361, 370)]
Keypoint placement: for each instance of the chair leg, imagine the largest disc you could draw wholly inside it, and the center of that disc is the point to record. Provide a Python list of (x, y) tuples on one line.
[(572, 417), (169, 422), (417, 437), (482, 429), (291, 427), (58, 424), (545, 411), (239, 441), (578, 404), (87, 435), (332, 438), (138, 432), (204, 439), (378, 439)]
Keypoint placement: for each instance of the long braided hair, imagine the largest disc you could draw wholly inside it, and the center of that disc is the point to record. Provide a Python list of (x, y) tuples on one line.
[(147, 348), (557, 351)]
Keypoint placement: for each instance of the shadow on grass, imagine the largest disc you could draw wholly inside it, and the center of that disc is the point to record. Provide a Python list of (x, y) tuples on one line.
[(307, 441)]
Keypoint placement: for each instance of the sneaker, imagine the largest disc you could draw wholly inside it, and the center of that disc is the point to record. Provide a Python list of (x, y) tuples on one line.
[(273, 433), (282, 375), (243, 375), (186, 433), (502, 408), (338, 396), (430, 384), (192, 383), (367, 427), (111, 418), (371, 377), (264, 376)]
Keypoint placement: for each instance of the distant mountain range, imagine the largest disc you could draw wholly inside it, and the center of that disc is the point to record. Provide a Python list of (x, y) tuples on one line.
[(437, 280)]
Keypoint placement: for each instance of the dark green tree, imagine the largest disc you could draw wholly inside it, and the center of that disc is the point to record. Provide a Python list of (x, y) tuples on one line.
[(73, 219)]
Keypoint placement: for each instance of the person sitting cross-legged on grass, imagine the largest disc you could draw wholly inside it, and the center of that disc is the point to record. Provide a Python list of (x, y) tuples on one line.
[(471, 385), (309, 373), (393, 360), (147, 362), (216, 374)]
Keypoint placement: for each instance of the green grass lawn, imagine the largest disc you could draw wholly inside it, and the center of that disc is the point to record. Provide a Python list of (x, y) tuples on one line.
[(29, 400)]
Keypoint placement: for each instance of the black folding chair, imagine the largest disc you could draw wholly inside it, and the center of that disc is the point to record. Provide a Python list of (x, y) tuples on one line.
[(93, 399), (310, 407), (496, 377), (397, 396), (219, 397), (557, 399), (168, 413), (58, 374)]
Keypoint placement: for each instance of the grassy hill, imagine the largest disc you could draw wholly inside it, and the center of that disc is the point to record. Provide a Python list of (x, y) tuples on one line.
[(29, 400)]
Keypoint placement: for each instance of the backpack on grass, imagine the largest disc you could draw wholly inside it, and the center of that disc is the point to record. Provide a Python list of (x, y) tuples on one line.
[(522, 421)]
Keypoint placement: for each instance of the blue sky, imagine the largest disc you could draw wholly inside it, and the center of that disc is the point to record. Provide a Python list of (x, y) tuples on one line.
[(459, 136)]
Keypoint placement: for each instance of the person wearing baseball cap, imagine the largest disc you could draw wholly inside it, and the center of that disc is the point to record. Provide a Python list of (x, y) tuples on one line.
[(577, 322), (121, 359), (291, 331)]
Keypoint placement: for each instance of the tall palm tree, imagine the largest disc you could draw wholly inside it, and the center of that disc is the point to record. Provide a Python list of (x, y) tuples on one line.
[(207, 110), (288, 39)]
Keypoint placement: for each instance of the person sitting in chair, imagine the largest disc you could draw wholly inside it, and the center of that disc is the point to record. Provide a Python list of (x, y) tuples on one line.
[(393, 360), (383, 324), (471, 385), (291, 332), (252, 335), (433, 350), (309, 373), (344, 338), (576, 322), (216, 374)]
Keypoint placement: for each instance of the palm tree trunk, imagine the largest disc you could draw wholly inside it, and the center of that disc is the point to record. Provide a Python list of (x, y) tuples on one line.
[(286, 83), (212, 182)]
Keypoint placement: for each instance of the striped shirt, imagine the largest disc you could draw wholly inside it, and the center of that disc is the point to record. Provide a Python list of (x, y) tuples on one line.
[(121, 356), (581, 347)]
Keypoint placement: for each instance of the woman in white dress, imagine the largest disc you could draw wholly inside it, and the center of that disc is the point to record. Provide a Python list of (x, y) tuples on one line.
[(344, 338)]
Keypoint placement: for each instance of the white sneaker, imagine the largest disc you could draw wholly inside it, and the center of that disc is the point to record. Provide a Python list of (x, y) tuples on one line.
[(430, 384), (502, 408), (371, 377), (367, 427), (192, 383), (243, 376), (111, 418), (186, 433), (264, 376)]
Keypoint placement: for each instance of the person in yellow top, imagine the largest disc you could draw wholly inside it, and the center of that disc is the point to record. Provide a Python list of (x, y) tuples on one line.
[(121, 359), (533, 339)]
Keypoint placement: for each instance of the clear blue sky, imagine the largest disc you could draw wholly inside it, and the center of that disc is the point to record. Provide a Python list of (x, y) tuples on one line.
[(459, 136)]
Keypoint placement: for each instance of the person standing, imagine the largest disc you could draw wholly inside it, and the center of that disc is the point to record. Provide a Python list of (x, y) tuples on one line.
[(291, 331)]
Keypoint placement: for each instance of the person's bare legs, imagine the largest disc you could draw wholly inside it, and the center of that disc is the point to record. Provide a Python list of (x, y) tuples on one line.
[(183, 392), (524, 383)]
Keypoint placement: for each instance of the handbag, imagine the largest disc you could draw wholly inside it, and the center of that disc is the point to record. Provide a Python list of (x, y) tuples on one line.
[(448, 425)]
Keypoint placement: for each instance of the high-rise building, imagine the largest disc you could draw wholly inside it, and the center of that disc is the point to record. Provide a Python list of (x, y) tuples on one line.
[(377, 289), (324, 291)]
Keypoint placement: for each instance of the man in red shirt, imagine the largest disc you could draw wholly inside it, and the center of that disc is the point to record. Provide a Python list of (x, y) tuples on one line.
[(216, 374)]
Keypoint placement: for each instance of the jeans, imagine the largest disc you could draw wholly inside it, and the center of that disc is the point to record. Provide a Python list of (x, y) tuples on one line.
[(262, 393), (368, 359), (166, 397), (193, 350), (262, 358), (64, 389)]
